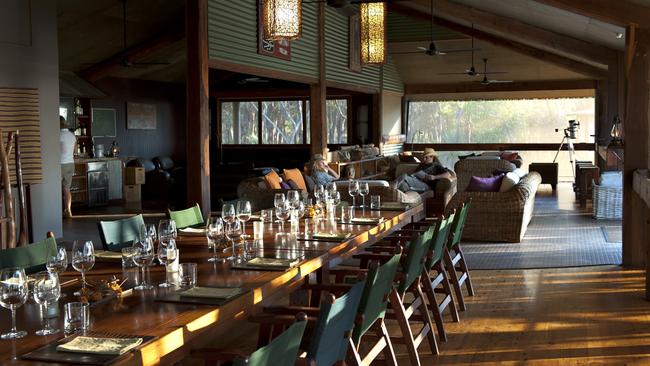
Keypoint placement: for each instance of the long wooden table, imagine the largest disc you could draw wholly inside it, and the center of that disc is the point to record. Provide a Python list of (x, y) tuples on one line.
[(180, 327)]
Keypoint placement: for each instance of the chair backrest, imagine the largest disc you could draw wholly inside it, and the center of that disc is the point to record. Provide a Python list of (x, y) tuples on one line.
[(374, 299), (330, 340), (458, 224), (415, 258), (118, 234), (282, 351), (187, 217), (31, 257), (439, 240)]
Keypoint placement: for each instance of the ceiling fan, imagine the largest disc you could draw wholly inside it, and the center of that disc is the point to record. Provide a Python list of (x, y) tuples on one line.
[(124, 60), (472, 70), (487, 81), (432, 50)]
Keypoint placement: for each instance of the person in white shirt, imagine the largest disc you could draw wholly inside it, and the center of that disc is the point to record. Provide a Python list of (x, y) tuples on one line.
[(68, 146)]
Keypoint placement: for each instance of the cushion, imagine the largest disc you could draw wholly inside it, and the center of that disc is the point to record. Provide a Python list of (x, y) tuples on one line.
[(520, 172), (295, 175), (285, 185), (481, 184), (273, 180), (293, 185), (510, 156), (510, 179)]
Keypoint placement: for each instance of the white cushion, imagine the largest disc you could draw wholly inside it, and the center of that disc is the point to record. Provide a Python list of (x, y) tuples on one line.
[(509, 181), (520, 172)]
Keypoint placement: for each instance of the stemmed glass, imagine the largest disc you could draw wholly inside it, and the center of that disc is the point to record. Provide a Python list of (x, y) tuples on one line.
[(214, 234), (244, 214), (57, 262), (293, 197), (319, 193), (151, 232), (300, 212), (83, 259), (47, 289), (228, 212), (363, 192), (233, 233), (353, 190), (142, 257), (166, 255), (13, 294), (282, 212)]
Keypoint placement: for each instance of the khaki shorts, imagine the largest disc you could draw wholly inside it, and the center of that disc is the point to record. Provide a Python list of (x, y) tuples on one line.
[(67, 170)]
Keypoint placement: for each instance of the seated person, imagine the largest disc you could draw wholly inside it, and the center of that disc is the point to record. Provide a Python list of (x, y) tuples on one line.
[(321, 173), (426, 175)]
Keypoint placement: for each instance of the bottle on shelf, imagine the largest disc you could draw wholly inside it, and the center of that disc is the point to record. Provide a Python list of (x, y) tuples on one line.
[(78, 109)]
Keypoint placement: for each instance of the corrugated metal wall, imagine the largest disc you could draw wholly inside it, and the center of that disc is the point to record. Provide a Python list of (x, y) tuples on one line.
[(392, 79)]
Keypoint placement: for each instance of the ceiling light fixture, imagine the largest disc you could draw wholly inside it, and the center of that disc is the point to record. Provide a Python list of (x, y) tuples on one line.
[(373, 33), (282, 19)]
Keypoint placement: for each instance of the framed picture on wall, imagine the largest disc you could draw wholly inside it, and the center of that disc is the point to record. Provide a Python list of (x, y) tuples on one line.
[(104, 122), (267, 47), (354, 44), (140, 116)]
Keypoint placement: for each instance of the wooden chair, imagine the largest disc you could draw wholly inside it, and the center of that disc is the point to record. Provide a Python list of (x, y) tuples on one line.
[(188, 217), (282, 351), (31, 257), (455, 260), (118, 234)]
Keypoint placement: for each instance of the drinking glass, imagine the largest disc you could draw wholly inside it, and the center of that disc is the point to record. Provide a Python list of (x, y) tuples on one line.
[(363, 192), (228, 212), (293, 197), (187, 274), (13, 294), (319, 193), (83, 259), (76, 316), (267, 215), (165, 229), (375, 202), (278, 199), (58, 261), (214, 234), (151, 232), (353, 190), (143, 256), (244, 214), (166, 255), (233, 233), (282, 213), (47, 289)]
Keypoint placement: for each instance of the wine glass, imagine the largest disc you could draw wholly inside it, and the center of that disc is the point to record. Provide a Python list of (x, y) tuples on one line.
[(244, 214), (353, 190), (278, 199), (336, 198), (293, 197), (319, 193), (233, 233), (151, 232), (142, 257), (228, 212), (167, 254), (282, 213), (363, 192), (165, 229), (58, 261), (13, 294), (214, 234), (83, 259), (47, 289), (300, 211)]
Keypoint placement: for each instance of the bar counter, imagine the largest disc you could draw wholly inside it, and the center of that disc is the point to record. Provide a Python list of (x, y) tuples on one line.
[(180, 327)]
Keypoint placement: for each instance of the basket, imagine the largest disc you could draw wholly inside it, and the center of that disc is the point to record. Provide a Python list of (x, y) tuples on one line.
[(607, 202)]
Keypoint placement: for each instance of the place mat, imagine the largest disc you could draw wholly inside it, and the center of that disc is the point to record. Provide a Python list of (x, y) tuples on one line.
[(49, 353), (191, 231), (267, 264), (177, 296), (108, 256), (326, 237), (367, 220), (394, 206), (210, 292)]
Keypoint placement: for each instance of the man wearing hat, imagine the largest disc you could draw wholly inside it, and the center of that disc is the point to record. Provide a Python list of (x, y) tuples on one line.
[(426, 175)]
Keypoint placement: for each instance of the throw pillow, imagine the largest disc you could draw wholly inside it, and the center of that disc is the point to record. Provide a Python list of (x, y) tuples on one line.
[(484, 184), (510, 156), (296, 176), (293, 185), (285, 185), (520, 172), (273, 180), (509, 181)]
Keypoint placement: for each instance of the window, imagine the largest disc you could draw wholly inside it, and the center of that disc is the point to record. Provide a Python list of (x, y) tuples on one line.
[(337, 121), (239, 122), (282, 122)]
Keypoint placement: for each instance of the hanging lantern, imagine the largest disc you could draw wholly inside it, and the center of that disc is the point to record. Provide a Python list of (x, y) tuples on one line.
[(282, 19), (373, 33), (617, 132)]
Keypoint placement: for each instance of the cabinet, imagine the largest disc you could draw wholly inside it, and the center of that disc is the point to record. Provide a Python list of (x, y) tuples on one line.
[(79, 186), (96, 181), (369, 168)]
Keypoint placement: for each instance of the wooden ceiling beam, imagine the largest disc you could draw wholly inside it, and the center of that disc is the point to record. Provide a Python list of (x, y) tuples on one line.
[(475, 87), (133, 54), (509, 27), (539, 54), (620, 12)]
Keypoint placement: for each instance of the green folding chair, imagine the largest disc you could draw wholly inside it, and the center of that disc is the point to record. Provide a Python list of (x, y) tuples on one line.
[(188, 217), (31, 257), (119, 234), (455, 260)]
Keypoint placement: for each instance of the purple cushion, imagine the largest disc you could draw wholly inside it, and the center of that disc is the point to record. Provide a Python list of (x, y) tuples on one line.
[(285, 185), (488, 184)]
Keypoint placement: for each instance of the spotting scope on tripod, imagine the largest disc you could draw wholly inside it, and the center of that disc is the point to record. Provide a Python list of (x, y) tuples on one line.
[(569, 134)]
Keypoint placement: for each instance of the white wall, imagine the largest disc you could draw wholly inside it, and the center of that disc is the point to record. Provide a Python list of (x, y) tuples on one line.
[(29, 59), (391, 110)]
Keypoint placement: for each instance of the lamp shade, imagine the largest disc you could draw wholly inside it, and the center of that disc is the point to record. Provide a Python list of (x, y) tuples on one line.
[(282, 19), (372, 18)]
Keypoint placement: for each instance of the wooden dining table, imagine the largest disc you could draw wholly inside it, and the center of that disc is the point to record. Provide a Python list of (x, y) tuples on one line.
[(178, 328)]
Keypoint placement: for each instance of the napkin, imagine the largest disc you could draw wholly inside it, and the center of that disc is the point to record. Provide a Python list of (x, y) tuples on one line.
[(393, 206), (100, 346), (191, 231), (328, 236), (210, 292), (272, 262)]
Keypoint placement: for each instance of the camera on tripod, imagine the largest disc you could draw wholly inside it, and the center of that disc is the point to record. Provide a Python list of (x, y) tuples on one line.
[(570, 132)]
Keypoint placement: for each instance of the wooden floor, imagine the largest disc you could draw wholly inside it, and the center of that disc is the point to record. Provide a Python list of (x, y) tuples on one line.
[(570, 316)]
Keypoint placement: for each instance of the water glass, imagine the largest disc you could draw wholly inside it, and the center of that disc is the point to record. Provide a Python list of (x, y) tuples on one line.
[(76, 317), (83, 259), (13, 294), (127, 257), (375, 202), (47, 290), (266, 215), (58, 261), (345, 214), (167, 254), (214, 234), (187, 274), (258, 230)]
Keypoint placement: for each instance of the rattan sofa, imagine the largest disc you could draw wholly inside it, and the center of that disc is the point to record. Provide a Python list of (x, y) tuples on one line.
[(495, 216)]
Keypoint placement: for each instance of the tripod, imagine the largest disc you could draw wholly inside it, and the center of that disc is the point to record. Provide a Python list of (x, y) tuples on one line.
[(571, 150)]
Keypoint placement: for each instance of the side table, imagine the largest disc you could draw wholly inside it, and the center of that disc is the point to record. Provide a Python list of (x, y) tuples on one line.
[(548, 171)]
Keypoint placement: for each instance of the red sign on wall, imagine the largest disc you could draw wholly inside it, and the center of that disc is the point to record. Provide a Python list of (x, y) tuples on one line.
[(279, 49)]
